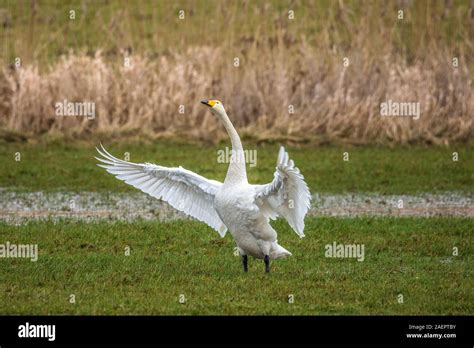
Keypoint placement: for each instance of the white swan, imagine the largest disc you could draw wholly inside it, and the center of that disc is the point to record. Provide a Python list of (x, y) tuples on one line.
[(234, 205)]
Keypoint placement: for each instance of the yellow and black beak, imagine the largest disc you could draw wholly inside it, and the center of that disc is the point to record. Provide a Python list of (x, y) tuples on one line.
[(209, 103)]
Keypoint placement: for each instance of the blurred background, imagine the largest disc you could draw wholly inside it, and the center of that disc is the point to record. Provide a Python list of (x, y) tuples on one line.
[(297, 71)]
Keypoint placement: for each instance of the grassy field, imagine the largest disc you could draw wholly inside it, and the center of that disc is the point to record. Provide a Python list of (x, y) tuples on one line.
[(408, 256), (411, 257), (44, 30), (55, 166)]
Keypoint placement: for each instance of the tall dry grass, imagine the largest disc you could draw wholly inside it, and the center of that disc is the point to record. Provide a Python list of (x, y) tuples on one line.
[(331, 102), (282, 63)]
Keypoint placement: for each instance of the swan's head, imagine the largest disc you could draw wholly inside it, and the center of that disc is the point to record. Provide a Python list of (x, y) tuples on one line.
[(215, 106)]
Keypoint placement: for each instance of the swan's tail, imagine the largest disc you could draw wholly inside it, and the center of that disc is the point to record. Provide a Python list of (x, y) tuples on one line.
[(278, 252)]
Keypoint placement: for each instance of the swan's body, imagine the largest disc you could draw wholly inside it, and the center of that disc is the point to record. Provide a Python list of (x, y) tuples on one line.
[(234, 205), (250, 228)]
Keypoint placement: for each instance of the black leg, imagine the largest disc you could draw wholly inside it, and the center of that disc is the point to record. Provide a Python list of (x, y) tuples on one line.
[(267, 263), (244, 262)]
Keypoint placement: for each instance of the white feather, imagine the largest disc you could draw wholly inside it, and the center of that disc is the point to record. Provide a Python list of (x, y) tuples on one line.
[(287, 195), (181, 188)]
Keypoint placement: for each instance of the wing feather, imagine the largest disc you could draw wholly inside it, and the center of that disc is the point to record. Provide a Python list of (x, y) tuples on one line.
[(287, 195), (182, 189)]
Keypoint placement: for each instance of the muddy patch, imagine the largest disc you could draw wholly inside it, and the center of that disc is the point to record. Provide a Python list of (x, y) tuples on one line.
[(19, 207)]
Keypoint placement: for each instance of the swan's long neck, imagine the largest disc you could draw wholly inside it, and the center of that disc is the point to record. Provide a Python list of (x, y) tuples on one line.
[(237, 172)]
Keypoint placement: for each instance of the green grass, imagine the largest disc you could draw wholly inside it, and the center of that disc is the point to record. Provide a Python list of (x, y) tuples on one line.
[(53, 166), (45, 31), (408, 256)]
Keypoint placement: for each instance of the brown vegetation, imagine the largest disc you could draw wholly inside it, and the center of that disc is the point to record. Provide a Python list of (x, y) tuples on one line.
[(283, 66), (331, 102)]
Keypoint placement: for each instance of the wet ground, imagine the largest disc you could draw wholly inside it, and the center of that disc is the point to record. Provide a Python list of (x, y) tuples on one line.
[(18, 208)]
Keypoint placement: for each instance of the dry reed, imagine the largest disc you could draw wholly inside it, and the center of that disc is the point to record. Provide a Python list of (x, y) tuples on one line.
[(330, 102), (281, 69)]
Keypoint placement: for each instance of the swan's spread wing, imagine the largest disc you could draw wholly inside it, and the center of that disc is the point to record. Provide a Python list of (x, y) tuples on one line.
[(287, 195), (184, 190)]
